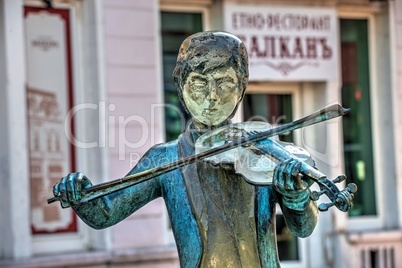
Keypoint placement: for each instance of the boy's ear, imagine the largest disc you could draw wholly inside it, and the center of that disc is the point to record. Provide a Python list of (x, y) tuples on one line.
[(242, 95)]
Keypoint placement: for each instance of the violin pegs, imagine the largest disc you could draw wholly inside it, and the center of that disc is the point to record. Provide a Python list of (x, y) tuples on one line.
[(316, 195), (339, 179), (351, 188), (325, 206)]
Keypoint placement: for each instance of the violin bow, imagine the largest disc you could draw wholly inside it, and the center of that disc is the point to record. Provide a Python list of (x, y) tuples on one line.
[(102, 189)]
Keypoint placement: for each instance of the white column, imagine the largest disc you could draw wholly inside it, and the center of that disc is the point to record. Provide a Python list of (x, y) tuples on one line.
[(395, 22), (92, 70), (383, 101), (15, 235)]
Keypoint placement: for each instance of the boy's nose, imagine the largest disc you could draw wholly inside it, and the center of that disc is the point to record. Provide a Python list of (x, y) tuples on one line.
[(212, 94)]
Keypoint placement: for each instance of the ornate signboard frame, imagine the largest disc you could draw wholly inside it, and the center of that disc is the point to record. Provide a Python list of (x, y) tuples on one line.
[(286, 44), (50, 97)]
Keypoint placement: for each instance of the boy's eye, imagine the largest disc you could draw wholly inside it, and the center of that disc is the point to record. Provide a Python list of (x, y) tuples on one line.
[(199, 84), (226, 85)]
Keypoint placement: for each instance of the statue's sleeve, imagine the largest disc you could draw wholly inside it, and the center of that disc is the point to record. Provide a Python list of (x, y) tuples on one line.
[(113, 208), (300, 213)]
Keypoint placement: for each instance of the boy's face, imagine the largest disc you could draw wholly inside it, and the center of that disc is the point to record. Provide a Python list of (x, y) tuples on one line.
[(211, 97)]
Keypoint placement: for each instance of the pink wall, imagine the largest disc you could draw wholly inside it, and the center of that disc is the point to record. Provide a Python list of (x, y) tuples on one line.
[(133, 86)]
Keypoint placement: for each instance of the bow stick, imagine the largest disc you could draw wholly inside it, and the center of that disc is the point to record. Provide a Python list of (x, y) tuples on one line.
[(106, 188)]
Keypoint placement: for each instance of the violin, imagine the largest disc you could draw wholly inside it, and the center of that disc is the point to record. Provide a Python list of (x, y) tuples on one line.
[(256, 165), (254, 150)]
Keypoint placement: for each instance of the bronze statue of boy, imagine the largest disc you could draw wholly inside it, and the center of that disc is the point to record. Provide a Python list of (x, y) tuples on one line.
[(218, 219)]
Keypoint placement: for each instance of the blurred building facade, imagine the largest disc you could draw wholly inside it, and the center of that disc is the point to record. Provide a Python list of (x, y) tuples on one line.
[(83, 87)]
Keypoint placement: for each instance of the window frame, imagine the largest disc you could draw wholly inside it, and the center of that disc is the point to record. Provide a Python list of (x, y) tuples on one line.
[(205, 12), (361, 223), (292, 89)]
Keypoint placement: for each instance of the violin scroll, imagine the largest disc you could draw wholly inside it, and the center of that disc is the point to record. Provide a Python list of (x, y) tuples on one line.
[(342, 199)]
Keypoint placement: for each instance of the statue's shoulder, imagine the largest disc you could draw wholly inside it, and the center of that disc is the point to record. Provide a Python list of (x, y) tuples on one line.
[(157, 156), (166, 146), (167, 152)]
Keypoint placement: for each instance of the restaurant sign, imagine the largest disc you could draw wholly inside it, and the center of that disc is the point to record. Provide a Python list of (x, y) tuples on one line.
[(286, 43), (49, 98)]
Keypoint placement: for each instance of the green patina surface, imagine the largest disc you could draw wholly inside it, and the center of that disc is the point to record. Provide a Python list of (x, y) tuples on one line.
[(218, 219)]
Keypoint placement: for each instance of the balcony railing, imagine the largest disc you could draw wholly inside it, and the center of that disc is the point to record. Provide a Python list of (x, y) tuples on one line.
[(376, 249)]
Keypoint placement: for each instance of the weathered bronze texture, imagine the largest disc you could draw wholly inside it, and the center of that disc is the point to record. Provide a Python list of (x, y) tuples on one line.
[(106, 188), (218, 218)]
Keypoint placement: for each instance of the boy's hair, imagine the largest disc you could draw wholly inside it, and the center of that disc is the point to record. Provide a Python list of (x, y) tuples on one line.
[(205, 51)]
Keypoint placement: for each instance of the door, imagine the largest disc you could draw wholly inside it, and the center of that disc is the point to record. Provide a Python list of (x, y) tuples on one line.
[(276, 104)]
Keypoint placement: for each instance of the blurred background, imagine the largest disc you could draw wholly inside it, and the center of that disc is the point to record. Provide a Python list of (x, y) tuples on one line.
[(86, 85)]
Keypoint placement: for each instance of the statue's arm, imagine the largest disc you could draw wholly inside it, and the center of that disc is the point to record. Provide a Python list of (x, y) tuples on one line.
[(113, 208), (293, 195), (300, 213)]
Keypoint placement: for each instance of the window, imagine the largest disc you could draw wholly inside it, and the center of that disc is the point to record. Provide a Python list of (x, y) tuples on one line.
[(275, 109), (357, 124), (175, 28), (288, 248)]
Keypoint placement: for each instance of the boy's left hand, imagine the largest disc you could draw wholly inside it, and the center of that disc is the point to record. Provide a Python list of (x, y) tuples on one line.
[(288, 180)]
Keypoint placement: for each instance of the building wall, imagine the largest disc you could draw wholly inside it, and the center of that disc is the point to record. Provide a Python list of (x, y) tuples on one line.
[(133, 88), (14, 200), (396, 52), (131, 80), (353, 3)]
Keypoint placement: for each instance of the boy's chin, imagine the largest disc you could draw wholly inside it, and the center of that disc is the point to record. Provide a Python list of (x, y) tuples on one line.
[(213, 122)]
